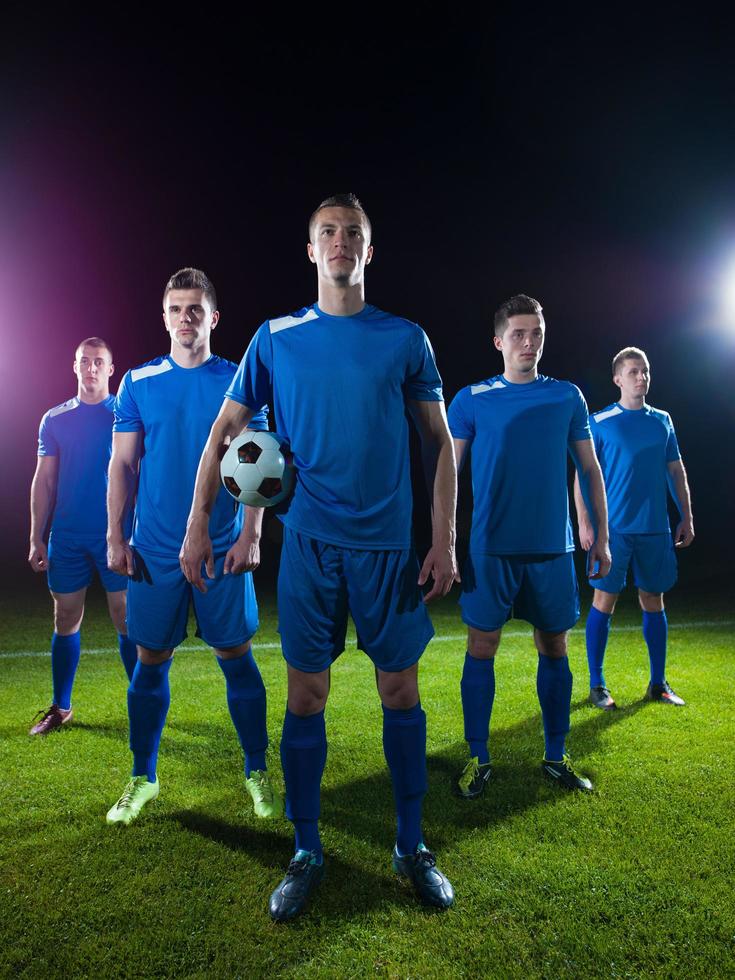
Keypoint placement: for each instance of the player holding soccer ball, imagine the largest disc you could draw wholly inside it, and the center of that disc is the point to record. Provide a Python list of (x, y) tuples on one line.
[(163, 413), (74, 443), (341, 375), (520, 426), (639, 455)]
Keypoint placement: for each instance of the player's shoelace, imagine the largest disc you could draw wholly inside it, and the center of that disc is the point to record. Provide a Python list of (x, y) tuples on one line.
[(128, 794), (262, 787), (471, 770)]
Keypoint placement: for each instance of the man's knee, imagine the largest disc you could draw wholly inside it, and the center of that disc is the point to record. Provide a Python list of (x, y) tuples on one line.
[(117, 606), (481, 645), (651, 601), (604, 602), (153, 657), (307, 693), (232, 653), (68, 611), (399, 689), (553, 645)]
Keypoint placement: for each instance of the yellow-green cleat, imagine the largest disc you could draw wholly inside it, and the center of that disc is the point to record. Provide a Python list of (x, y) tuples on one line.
[(267, 802), (136, 794), (473, 779)]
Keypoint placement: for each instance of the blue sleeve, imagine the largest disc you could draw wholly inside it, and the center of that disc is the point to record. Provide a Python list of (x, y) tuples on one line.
[(672, 446), (259, 421), (126, 411), (596, 436), (423, 382), (460, 416), (579, 427), (253, 381), (47, 444)]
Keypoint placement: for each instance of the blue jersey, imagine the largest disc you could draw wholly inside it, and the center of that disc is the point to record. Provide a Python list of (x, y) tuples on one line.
[(81, 436), (634, 447), (174, 408), (520, 435), (339, 387)]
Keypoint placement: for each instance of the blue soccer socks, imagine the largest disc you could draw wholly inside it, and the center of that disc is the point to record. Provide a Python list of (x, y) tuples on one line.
[(247, 704), (128, 654), (554, 687), (478, 693), (65, 651), (303, 757), (655, 633), (404, 745), (597, 631), (149, 698)]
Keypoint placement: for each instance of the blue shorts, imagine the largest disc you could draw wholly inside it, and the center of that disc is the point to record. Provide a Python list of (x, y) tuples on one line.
[(542, 589), (71, 565), (158, 605), (319, 584), (651, 557)]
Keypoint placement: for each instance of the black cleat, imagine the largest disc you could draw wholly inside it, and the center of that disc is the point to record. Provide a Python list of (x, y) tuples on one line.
[(475, 775), (563, 774), (289, 897), (663, 692), (430, 884), (600, 697)]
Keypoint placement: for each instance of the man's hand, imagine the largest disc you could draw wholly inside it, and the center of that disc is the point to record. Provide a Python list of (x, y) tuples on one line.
[(197, 551), (684, 534), (598, 555), (586, 535), (38, 557), (243, 556), (441, 565), (119, 557)]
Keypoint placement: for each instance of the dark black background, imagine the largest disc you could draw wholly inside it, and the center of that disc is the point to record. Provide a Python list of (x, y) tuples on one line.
[(585, 160)]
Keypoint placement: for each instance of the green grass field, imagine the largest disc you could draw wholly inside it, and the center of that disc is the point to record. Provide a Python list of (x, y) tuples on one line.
[(635, 880)]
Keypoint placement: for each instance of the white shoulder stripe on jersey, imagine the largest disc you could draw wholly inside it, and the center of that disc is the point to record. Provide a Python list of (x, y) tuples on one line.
[(611, 413), (284, 322), (66, 407), (137, 374), (478, 389)]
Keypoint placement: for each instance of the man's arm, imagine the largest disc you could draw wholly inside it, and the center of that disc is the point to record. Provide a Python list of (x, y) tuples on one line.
[(196, 549), (244, 555), (121, 485), (43, 490), (460, 448), (684, 534), (437, 452), (592, 488), (584, 524)]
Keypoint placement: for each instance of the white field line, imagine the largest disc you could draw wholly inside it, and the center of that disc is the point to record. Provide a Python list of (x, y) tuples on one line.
[(445, 638)]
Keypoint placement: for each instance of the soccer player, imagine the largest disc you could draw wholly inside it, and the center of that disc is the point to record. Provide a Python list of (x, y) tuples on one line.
[(519, 426), (639, 456), (69, 488), (341, 374), (163, 413)]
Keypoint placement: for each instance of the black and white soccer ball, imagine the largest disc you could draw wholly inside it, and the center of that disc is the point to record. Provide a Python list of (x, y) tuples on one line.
[(257, 469)]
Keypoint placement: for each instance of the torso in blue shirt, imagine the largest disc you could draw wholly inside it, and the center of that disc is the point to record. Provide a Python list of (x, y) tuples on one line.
[(520, 435), (634, 448), (339, 387), (81, 436), (174, 408)]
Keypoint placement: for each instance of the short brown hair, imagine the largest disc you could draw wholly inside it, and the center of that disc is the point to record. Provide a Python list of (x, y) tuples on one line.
[(94, 342), (189, 278), (627, 353), (518, 305), (348, 200)]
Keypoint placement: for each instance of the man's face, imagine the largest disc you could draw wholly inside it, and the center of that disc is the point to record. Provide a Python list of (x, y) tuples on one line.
[(189, 317), (341, 246), (522, 344), (633, 377), (93, 367)]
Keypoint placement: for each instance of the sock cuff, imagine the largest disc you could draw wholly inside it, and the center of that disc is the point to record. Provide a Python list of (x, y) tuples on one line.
[(660, 615), (398, 716), (596, 613), (232, 666), (476, 665), (66, 638)]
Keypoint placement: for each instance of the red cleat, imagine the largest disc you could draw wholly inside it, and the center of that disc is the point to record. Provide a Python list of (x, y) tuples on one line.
[(52, 719)]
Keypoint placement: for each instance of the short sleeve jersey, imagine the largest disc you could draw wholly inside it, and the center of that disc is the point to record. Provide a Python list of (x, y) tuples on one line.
[(520, 435), (81, 436), (634, 447), (339, 387), (174, 408)]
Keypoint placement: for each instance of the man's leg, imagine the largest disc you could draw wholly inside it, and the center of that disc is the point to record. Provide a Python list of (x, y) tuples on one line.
[(478, 695), (596, 633), (655, 633), (554, 688), (65, 653), (117, 606)]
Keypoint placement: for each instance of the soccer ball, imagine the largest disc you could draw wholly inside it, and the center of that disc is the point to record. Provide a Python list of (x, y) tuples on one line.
[(257, 469)]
